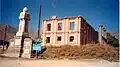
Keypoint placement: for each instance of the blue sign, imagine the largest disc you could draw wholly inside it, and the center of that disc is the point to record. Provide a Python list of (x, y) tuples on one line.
[(36, 47)]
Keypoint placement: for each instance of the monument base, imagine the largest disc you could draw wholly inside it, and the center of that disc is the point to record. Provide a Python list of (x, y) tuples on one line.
[(14, 47), (27, 48), (19, 47)]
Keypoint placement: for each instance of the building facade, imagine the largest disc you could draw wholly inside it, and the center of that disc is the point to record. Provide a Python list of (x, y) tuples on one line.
[(67, 31)]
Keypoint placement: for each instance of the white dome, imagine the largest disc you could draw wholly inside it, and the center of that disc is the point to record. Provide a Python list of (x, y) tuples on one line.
[(25, 9)]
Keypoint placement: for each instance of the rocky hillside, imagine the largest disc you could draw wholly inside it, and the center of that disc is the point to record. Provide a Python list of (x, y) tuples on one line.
[(115, 34), (10, 31)]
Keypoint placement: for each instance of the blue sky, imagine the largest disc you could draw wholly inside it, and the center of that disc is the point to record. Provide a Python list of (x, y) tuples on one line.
[(94, 11)]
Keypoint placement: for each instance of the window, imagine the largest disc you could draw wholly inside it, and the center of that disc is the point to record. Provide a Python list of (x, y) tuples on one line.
[(71, 38), (59, 26), (72, 25), (59, 38), (48, 40), (48, 27)]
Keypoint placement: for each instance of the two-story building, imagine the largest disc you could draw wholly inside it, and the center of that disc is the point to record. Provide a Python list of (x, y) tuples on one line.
[(67, 31)]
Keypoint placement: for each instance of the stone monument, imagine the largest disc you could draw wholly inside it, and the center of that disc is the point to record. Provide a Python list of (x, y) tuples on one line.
[(20, 46)]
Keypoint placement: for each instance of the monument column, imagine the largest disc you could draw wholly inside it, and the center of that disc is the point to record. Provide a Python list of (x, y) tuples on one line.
[(100, 34), (23, 24), (22, 32)]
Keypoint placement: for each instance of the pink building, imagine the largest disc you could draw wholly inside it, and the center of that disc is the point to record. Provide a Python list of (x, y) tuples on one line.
[(67, 31)]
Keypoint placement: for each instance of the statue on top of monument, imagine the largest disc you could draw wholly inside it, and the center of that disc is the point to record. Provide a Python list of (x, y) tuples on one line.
[(23, 24), (25, 14), (25, 9)]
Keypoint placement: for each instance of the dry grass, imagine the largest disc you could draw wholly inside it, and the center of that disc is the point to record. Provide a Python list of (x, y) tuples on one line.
[(82, 52)]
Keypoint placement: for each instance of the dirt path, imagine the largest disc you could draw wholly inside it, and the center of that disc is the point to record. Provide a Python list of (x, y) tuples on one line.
[(55, 63)]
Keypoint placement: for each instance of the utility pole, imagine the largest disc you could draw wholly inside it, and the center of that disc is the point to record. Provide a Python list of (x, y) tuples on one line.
[(5, 32), (39, 37), (39, 22), (0, 34)]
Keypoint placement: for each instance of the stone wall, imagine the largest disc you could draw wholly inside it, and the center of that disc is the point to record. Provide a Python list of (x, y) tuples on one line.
[(88, 33)]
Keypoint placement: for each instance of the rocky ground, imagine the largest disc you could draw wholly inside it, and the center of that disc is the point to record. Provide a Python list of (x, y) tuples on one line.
[(88, 51)]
